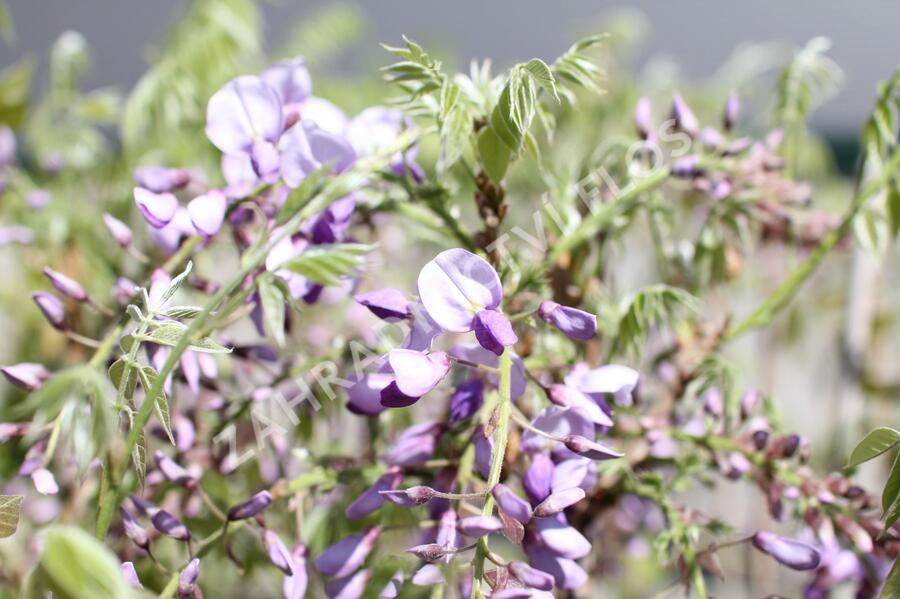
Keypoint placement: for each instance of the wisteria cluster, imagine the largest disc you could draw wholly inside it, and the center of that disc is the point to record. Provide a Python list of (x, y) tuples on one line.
[(263, 401)]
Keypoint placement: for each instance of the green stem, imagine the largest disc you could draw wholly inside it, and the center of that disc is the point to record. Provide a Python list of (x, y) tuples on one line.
[(501, 435), (698, 583), (606, 213), (779, 298)]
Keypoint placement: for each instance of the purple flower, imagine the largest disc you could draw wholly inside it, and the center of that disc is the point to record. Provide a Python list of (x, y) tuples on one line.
[(428, 575), (392, 588), (484, 448), (306, 147), (462, 292), (130, 575), (556, 534), (558, 501), (172, 471), (349, 587), (415, 445), (684, 116), (531, 577), (511, 504), (536, 481), (188, 578), (160, 179), (575, 323), (479, 526), (430, 552), (417, 495), (364, 394), (244, 114), (590, 449), (44, 482), (120, 231), (277, 552), (643, 118), (15, 233), (466, 400), (788, 552), (26, 375), (67, 286), (170, 526), (133, 530), (571, 473), (376, 128), (559, 422), (730, 113), (612, 379), (291, 81), (371, 499), (207, 212), (348, 554), (565, 572), (52, 308), (567, 397), (252, 507), (417, 373), (294, 586), (158, 208), (385, 303)]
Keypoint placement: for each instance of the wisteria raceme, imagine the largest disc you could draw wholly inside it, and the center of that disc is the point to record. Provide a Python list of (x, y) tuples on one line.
[(475, 339)]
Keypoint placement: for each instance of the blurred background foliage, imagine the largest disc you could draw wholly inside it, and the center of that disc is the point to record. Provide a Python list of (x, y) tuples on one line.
[(79, 146)]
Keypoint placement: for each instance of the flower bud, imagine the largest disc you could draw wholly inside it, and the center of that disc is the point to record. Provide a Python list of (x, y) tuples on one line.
[(418, 495), (134, 530), (52, 308), (589, 449), (120, 231), (188, 578), (430, 552), (250, 508), (643, 118), (385, 303), (573, 322), (26, 375), (479, 526), (130, 575), (558, 501), (158, 208), (730, 112), (531, 577), (348, 554), (788, 552), (684, 116), (173, 472), (170, 526), (67, 286), (511, 504), (277, 552)]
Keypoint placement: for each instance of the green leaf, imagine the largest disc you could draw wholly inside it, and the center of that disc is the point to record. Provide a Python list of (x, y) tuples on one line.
[(455, 131), (892, 513), (327, 264), (170, 334), (891, 588), (77, 566), (160, 402), (182, 312), (543, 76), (892, 486), (15, 90), (273, 309), (893, 206), (9, 514), (494, 154), (176, 284), (873, 445), (139, 452), (119, 370)]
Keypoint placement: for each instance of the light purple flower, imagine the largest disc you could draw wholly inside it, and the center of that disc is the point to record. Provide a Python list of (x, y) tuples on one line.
[(479, 526), (207, 212), (170, 526), (349, 587), (567, 397), (556, 534), (306, 147), (466, 400), (537, 479), (120, 231), (565, 572), (730, 113), (277, 552), (294, 586), (511, 504), (788, 552), (385, 303), (26, 375), (130, 575), (375, 129), (455, 286), (371, 499), (559, 422), (134, 530), (558, 501), (415, 445), (15, 233), (575, 323), (428, 575), (348, 554), (364, 394), (52, 308), (188, 578), (530, 577), (643, 118), (245, 113), (684, 116), (612, 379), (44, 482), (494, 331), (158, 208), (417, 373), (324, 114), (172, 471), (392, 588), (67, 286), (590, 449), (570, 473), (291, 81), (252, 507), (160, 179)]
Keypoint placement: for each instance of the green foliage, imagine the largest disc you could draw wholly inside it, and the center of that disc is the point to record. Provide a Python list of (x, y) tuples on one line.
[(873, 445), (805, 83), (209, 44), (170, 333), (74, 565), (9, 514), (577, 68), (328, 264), (891, 588), (15, 90), (272, 301), (650, 307)]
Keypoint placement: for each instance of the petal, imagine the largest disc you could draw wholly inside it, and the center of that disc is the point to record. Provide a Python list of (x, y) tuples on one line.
[(392, 397), (570, 473), (538, 477), (245, 110), (44, 482), (371, 499), (612, 378), (479, 526), (158, 208), (558, 501), (428, 575), (324, 114), (348, 554), (511, 504), (266, 161), (418, 373), (277, 552), (494, 331), (791, 553), (376, 128), (350, 587), (306, 147), (561, 538), (207, 212), (565, 572), (575, 323), (466, 400), (557, 421), (531, 577), (455, 286), (567, 397), (364, 395), (385, 303), (290, 79), (294, 586)]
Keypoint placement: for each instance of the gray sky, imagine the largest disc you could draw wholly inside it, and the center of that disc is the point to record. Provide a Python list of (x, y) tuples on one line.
[(698, 34)]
